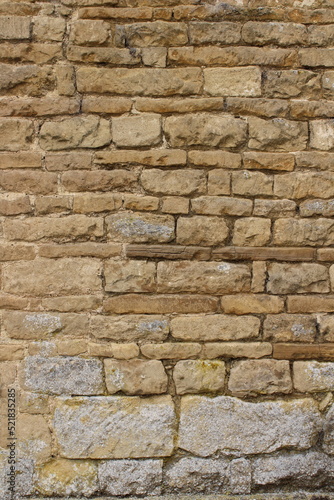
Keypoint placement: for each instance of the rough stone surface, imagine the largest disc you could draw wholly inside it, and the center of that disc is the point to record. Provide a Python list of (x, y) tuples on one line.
[(199, 376), (312, 376), (228, 425), (137, 228), (130, 328), (141, 427)]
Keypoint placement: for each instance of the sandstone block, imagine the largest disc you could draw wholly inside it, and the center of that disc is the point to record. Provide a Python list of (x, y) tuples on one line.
[(289, 328), (130, 477), (135, 377), (312, 376), (320, 35), (130, 328), (147, 430), (84, 132), (49, 28), (252, 231), (197, 475), (153, 157), (115, 57), (268, 161), (63, 228), (219, 182), (263, 376), (139, 202), (102, 104), (297, 278), (112, 350), (205, 130), (219, 205), (100, 180), (315, 57), (221, 33), (37, 325), (310, 304), (214, 327), (63, 375), (171, 350), (88, 249), (251, 304), (28, 182), (284, 34), (304, 351), (26, 79), (292, 83), (219, 159), (11, 352), (205, 277), (43, 277), (152, 34), (136, 131), (15, 134), (52, 204), (198, 376), (274, 208), (149, 304), (252, 183), (322, 134), (65, 79), (140, 228), (34, 438), (198, 230), (10, 251), (68, 161), (327, 83), (303, 232), (175, 182), (277, 134), (254, 350), (34, 403), (297, 185), (316, 207), (89, 32), (63, 477), (139, 81), (229, 425), (130, 276), (244, 81), (325, 323), (14, 28), (175, 205)]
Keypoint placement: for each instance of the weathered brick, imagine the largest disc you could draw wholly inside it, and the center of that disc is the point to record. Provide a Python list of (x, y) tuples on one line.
[(171, 350), (85, 249), (221, 159), (68, 161), (14, 204), (112, 56), (277, 134), (317, 57), (52, 204), (101, 104), (233, 81), (289, 328), (26, 79), (316, 207), (232, 350), (251, 304), (155, 304), (175, 205), (251, 183), (268, 161), (312, 376), (322, 134), (89, 32), (154, 157), (42, 106), (275, 208), (221, 33), (264, 376), (135, 131), (170, 252), (284, 34), (310, 304), (292, 83), (28, 159), (111, 13), (303, 232), (185, 105), (47, 29), (175, 182), (15, 134), (101, 180), (198, 230), (251, 231), (297, 278), (134, 227), (130, 328), (191, 377), (130, 276), (135, 377), (14, 28), (219, 182), (269, 253), (28, 182), (152, 34), (220, 205), (304, 351)]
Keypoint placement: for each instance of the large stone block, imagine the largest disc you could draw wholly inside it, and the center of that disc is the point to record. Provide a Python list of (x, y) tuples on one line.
[(130, 276), (297, 278), (205, 130), (27, 79), (140, 228), (139, 428), (289, 328), (206, 277), (196, 376), (63, 375), (235, 427), (322, 134), (136, 131), (297, 185), (15, 134), (233, 81), (303, 232), (277, 134), (198, 230)]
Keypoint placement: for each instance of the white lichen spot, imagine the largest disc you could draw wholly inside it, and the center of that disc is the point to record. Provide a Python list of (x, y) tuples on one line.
[(39, 322), (299, 330), (155, 326), (225, 267), (117, 378)]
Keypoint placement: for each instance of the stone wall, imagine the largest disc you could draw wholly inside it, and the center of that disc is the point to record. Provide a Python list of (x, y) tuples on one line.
[(167, 246)]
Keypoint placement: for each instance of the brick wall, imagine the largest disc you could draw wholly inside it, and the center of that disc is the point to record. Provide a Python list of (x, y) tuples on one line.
[(167, 246)]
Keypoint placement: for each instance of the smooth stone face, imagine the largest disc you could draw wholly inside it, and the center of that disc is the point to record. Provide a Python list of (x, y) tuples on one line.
[(229, 425), (130, 477), (63, 375), (138, 427)]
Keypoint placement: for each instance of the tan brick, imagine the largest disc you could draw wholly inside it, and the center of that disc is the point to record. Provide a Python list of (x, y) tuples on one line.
[(43, 277), (325, 323), (90, 203), (14, 204), (152, 34), (303, 109), (153, 157), (72, 347), (15, 134), (130, 276), (185, 105), (41, 106), (317, 57), (136, 131), (110, 13), (89, 32), (130, 328), (171, 351), (289, 328), (292, 83), (325, 254), (205, 130), (297, 278), (320, 35), (315, 159), (28, 182), (205, 277), (48, 28), (269, 253), (101, 180), (137, 227), (10, 251), (252, 183), (254, 350), (65, 79), (175, 205), (73, 304), (26, 79), (312, 376), (275, 208), (63, 228), (221, 159), (135, 377), (233, 81), (252, 304), (154, 56), (309, 208), (220, 205), (34, 403), (52, 204), (68, 161), (310, 304), (322, 134), (284, 34), (154, 304), (193, 377), (115, 57), (252, 231), (327, 83), (14, 28), (111, 350), (268, 161), (85, 132), (219, 182), (20, 160), (11, 352), (223, 33), (176, 182), (198, 230), (8, 301), (214, 327), (89, 249), (303, 232), (139, 81), (259, 276), (101, 104), (38, 53), (139, 202), (277, 134), (265, 376)]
